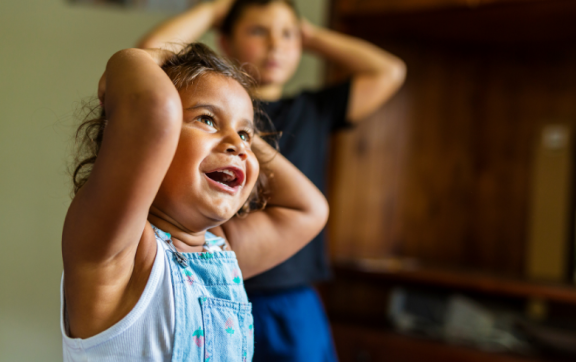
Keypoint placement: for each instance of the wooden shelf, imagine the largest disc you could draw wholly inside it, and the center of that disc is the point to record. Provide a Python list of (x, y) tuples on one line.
[(458, 280), (355, 343), (356, 303)]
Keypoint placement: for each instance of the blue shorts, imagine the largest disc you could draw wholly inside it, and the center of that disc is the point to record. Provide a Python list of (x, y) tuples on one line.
[(291, 326)]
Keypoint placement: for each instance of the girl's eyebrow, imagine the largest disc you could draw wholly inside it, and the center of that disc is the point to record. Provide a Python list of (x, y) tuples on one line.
[(210, 107), (215, 109), (248, 124)]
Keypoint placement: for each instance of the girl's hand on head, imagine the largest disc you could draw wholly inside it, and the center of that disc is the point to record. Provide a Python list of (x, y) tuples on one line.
[(307, 31), (160, 56), (220, 8), (262, 150)]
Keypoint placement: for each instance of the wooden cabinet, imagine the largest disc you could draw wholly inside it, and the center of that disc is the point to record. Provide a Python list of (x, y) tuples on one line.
[(510, 22), (390, 6), (398, 6), (361, 344), (357, 304), (371, 7), (443, 172)]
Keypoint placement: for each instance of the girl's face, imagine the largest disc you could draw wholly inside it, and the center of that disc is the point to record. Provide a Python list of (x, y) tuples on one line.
[(214, 169), (268, 38)]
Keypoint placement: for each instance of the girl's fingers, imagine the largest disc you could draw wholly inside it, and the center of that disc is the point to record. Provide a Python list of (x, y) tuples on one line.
[(221, 8), (160, 55)]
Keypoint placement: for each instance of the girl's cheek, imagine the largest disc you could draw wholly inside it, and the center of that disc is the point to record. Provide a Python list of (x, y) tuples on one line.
[(253, 51), (295, 52), (253, 169)]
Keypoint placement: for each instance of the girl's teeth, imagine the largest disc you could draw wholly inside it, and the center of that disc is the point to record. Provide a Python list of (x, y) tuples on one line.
[(229, 175)]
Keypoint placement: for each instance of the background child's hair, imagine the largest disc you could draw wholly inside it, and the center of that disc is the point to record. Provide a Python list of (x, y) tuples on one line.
[(194, 61), (238, 7)]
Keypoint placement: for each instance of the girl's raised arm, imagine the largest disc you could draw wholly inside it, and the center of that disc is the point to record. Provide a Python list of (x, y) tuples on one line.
[(187, 27), (106, 219), (376, 74), (296, 212)]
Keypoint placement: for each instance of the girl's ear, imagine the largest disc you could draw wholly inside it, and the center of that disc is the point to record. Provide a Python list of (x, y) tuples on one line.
[(224, 43)]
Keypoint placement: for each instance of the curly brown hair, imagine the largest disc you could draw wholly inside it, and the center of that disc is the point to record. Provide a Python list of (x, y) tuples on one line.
[(195, 60)]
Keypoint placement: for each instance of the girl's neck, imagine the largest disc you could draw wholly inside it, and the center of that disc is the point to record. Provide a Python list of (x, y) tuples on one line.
[(185, 241), (269, 92)]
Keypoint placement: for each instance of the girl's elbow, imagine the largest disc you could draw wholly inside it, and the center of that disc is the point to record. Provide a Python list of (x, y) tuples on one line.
[(397, 73), (319, 212)]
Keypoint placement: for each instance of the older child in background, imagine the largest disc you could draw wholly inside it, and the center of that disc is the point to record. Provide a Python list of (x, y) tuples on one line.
[(175, 153), (267, 36)]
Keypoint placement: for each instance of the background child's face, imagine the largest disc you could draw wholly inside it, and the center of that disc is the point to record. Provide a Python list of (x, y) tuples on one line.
[(214, 169), (268, 38)]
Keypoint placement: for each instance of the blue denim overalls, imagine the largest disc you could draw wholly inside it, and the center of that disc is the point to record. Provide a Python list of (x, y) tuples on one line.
[(213, 319)]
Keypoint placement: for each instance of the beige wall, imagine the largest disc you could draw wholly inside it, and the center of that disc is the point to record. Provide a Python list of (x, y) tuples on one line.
[(52, 55)]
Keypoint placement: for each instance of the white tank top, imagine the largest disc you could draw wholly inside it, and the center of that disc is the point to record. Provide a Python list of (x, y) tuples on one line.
[(145, 334)]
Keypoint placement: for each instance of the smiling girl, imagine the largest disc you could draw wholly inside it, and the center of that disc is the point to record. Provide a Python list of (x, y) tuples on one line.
[(175, 153), (270, 37)]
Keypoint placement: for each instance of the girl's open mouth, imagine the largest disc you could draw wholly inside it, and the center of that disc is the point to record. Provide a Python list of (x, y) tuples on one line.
[(228, 179)]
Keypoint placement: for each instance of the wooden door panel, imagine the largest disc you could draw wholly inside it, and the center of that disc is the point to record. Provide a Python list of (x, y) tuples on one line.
[(442, 173)]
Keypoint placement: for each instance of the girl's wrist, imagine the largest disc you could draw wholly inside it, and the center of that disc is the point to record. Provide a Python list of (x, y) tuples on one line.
[(309, 34), (214, 13), (159, 56), (206, 10), (219, 10), (262, 150)]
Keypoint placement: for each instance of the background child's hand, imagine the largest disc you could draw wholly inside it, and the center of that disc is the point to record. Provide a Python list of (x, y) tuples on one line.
[(221, 8), (306, 32), (158, 55), (189, 26)]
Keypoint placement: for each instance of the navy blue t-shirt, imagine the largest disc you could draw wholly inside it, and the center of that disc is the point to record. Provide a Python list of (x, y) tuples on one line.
[(306, 122)]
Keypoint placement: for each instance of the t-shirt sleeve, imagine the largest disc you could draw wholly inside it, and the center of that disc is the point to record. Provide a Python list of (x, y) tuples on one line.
[(332, 103)]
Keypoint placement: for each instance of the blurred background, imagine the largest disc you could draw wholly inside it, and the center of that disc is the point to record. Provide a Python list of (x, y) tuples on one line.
[(452, 208)]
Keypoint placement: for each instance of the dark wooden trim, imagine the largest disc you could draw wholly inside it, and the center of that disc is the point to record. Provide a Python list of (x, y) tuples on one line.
[(466, 281), (509, 23)]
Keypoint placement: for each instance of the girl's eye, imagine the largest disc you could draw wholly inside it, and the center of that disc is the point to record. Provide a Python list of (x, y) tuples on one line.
[(206, 120), (257, 31), (244, 136)]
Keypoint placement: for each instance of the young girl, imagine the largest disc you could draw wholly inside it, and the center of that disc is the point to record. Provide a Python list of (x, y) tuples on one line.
[(176, 154), (270, 37)]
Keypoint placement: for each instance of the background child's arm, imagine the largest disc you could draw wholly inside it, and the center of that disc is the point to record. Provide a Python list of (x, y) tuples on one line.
[(106, 219), (186, 27), (296, 212), (376, 74)]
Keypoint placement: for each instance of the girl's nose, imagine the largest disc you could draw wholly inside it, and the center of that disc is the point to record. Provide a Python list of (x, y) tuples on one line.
[(273, 41), (235, 146)]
